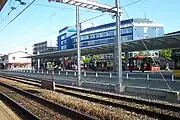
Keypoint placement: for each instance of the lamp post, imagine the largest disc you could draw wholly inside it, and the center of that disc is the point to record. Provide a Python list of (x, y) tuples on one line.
[(103, 8), (118, 50)]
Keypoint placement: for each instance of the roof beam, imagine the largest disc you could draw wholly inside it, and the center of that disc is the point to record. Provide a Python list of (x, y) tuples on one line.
[(89, 5)]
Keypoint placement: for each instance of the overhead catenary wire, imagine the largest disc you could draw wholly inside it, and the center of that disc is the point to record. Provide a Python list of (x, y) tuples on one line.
[(18, 15), (52, 32), (147, 49), (56, 7), (134, 2), (8, 13)]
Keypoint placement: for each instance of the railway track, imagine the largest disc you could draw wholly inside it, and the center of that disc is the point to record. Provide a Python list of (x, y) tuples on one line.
[(156, 110), (45, 109), (18, 108)]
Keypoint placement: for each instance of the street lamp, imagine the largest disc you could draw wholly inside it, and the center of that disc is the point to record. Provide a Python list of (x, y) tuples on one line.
[(103, 8)]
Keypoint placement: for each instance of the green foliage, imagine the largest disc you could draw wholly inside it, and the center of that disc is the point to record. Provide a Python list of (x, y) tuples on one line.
[(50, 64), (141, 53), (166, 53), (86, 60), (96, 58)]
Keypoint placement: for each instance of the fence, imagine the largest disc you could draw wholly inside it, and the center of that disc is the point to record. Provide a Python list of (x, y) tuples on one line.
[(147, 79)]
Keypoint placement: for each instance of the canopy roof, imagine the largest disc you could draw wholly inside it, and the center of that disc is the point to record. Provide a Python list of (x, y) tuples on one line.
[(164, 42)]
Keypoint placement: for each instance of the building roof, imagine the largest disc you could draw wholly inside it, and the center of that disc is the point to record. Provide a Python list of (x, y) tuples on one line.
[(164, 42), (19, 51), (173, 33)]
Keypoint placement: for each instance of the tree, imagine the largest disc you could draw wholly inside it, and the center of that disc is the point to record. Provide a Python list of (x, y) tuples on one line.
[(166, 53), (96, 58), (86, 60), (141, 53)]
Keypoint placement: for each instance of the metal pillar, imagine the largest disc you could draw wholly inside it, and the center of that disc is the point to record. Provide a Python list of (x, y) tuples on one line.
[(78, 46), (119, 87), (63, 62), (38, 62), (126, 60)]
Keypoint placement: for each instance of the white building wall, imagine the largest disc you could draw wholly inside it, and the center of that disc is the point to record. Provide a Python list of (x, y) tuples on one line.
[(52, 43), (17, 58)]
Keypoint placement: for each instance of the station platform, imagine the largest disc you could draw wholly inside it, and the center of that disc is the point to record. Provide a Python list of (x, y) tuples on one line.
[(6, 113)]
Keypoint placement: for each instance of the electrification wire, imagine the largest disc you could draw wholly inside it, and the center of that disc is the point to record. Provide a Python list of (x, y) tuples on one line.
[(131, 3), (46, 35), (7, 14), (92, 18), (38, 26), (18, 15), (148, 50), (49, 34), (51, 6)]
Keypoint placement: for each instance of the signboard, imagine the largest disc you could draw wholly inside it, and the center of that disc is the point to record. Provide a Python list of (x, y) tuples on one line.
[(2, 3)]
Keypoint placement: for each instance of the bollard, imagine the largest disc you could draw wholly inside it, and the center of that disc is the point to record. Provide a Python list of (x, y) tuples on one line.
[(74, 73), (47, 72), (42, 72), (110, 75), (59, 72), (66, 73), (84, 74), (96, 74), (172, 77), (147, 76), (127, 75)]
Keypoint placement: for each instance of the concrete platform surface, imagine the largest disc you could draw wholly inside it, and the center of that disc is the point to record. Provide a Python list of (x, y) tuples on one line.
[(6, 113)]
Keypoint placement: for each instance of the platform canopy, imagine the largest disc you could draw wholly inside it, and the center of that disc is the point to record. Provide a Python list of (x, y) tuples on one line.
[(157, 43), (2, 3)]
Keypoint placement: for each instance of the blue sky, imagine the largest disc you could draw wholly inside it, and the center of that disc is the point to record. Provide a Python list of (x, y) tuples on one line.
[(40, 23)]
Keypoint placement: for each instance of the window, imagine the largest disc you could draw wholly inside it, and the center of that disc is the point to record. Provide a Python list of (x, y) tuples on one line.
[(63, 37), (90, 42), (104, 34), (126, 30), (104, 41), (97, 42), (13, 58), (74, 40), (92, 36), (111, 33), (74, 46), (64, 47), (110, 40), (129, 30), (123, 31), (127, 37), (145, 29), (85, 44), (98, 35), (63, 42), (84, 37)]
